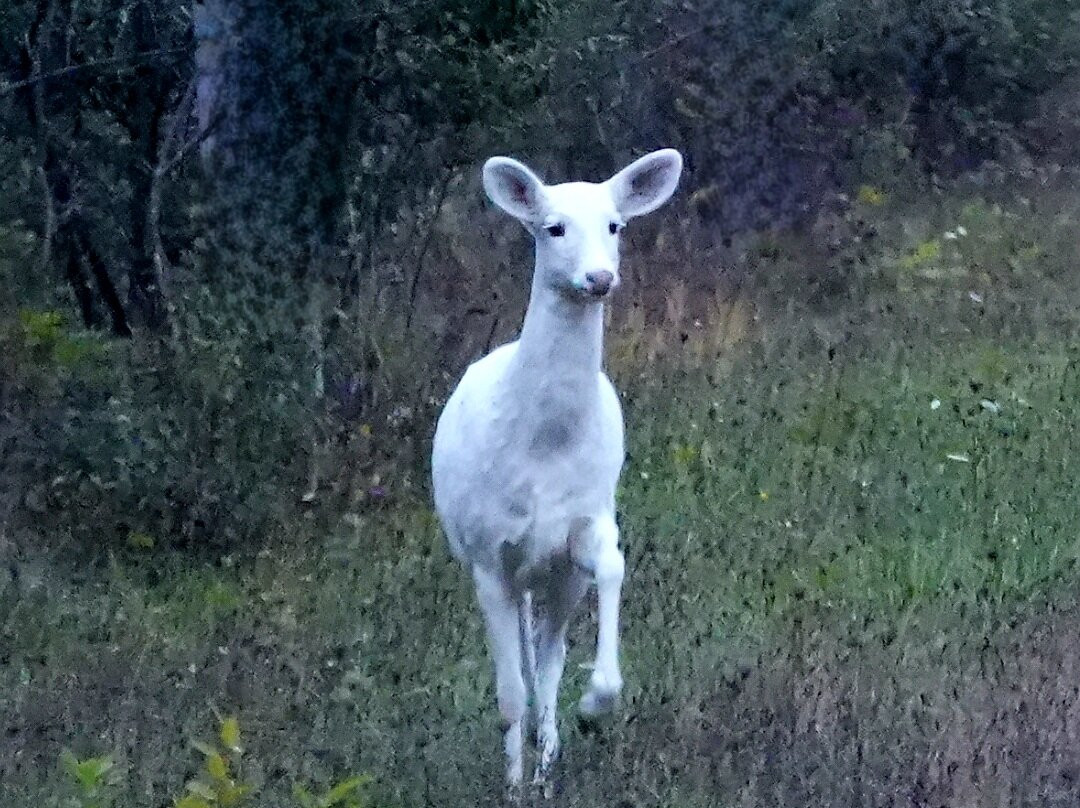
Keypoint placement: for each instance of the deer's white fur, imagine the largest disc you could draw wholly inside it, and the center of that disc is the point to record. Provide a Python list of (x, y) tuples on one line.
[(528, 449)]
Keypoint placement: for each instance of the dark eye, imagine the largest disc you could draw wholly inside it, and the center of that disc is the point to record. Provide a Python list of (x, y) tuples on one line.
[(556, 230), (613, 228)]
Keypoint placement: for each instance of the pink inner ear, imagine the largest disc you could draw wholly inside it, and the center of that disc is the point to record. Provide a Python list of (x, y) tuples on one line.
[(521, 193), (644, 181)]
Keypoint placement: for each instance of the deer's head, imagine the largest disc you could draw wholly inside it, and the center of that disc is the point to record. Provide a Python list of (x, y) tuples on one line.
[(577, 224)]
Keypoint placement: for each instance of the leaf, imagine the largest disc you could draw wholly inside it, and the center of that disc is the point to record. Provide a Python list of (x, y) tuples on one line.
[(684, 454), (345, 788), (303, 796), (924, 253), (200, 789), (230, 733), (90, 772), (41, 327), (192, 802), (232, 794), (205, 748), (215, 764), (71, 764)]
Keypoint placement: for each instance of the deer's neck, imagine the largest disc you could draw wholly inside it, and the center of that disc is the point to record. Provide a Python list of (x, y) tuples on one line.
[(560, 350)]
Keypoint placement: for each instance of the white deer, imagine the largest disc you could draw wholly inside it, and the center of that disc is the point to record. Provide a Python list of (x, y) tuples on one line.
[(528, 449)]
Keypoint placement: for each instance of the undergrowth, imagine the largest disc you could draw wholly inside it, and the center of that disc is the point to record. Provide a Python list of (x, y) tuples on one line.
[(849, 523)]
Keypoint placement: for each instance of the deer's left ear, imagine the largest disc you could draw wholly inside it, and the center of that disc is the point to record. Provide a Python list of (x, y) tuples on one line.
[(647, 183)]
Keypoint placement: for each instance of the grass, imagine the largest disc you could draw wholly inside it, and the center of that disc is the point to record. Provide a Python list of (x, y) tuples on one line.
[(851, 543)]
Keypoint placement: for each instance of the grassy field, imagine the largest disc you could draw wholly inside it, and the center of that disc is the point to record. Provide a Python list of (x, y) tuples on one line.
[(851, 541)]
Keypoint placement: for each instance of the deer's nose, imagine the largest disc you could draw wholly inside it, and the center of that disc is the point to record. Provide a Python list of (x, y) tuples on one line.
[(599, 282)]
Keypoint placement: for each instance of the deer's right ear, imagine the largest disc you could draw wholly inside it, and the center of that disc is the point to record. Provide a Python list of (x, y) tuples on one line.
[(515, 189)]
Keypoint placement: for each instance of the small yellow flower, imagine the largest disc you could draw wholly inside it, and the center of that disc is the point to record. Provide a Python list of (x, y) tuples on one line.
[(763, 496), (924, 253), (869, 195), (365, 430), (684, 455), (141, 541)]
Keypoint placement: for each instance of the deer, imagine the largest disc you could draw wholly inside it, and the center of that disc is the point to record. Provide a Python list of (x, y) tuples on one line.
[(528, 450)]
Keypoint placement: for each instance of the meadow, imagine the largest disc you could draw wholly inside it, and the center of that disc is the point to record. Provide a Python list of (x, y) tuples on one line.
[(850, 520)]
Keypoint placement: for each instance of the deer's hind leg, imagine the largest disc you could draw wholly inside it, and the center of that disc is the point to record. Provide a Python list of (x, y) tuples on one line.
[(564, 591)]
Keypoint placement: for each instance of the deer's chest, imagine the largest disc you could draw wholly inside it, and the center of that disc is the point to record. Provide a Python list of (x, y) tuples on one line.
[(553, 436), (560, 427), (557, 462)]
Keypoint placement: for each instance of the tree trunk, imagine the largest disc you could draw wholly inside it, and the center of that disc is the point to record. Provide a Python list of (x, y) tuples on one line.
[(65, 235), (213, 23), (106, 288), (84, 295), (278, 88), (145, 300)]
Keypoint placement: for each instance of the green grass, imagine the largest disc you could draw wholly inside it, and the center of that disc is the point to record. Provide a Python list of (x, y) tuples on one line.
[(839, 592)]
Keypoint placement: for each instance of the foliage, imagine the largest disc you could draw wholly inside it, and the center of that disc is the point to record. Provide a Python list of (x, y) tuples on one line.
[(779, 104), (96, 780), (851, 554), (348, 794), (217, 785), (276, 207), (965, 74), (93, 778), (159, 441)]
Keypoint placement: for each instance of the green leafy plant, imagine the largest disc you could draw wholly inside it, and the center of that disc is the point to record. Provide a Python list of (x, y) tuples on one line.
[(41, 328), (349, 793), (217, 784), (93, 778)]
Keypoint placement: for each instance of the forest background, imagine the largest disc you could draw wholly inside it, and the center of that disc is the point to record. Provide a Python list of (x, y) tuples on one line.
[(244, 255)]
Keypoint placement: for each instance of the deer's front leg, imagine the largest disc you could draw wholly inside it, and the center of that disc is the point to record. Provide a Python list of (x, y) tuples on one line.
[(501, 619), (607, 566), (564, 595)]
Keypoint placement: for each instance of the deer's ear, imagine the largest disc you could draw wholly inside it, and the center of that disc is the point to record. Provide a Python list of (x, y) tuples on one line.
[(647, 183), (515, 189)]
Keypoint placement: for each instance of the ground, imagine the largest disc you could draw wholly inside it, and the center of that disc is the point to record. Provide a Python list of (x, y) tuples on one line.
[(850, 522)]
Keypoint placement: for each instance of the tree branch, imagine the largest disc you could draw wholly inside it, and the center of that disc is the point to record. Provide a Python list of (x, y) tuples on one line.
[(165, 163), (190, 146), (49, 204), (436, 212), (171, 153), (119, 62)]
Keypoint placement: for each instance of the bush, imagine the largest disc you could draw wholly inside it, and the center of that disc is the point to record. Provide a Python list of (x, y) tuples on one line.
[(193, 439), (779, 104)]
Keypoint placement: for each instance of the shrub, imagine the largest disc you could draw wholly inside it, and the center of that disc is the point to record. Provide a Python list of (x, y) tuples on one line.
[(195, 439)]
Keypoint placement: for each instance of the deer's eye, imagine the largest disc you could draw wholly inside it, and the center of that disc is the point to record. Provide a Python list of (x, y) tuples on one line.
[(556, 230), (613, 228)]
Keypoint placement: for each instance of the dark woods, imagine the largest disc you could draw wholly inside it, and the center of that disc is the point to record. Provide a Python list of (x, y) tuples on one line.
[(242, 246)]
